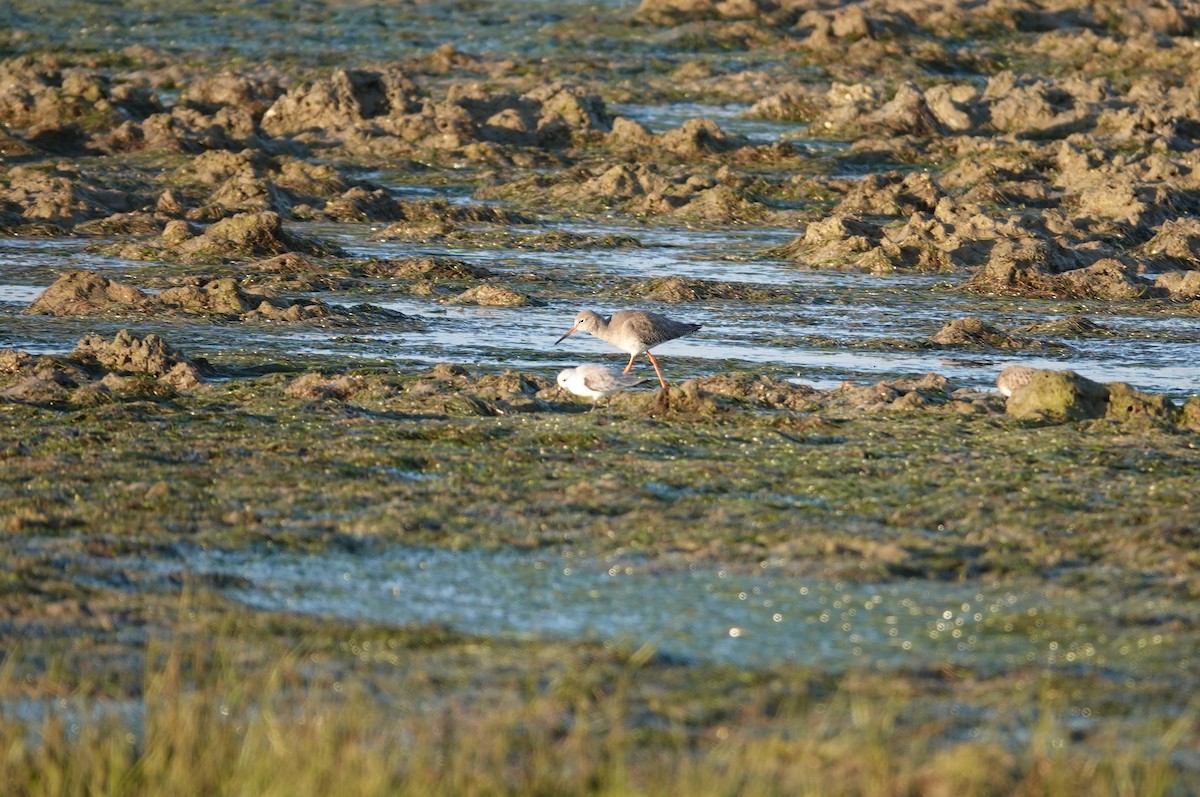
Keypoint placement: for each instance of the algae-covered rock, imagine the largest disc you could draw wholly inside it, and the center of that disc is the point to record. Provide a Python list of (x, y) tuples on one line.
[(1189, 415), (1058, 396), (675, 289), (1126, 403)]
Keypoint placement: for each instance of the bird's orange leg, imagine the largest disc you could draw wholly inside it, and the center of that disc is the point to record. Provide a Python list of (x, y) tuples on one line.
[(630, 366), (654, 362)]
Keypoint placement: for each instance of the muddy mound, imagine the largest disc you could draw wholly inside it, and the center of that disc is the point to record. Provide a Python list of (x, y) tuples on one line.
[(219, 183), (446, 389), (61, 195), (210, 93), (245, 236), (223, 182), (378, 110), (892, 194), (1025, 271), (745, 388), (83, 293), (38, 380), (1176, 244), (364, 110), (692, 193), (859, 109), (98, 370), (696, 139), (250, 235), (437, 220), (1036, 253), (666, 12), (1032, 107), (858, 243), (86, 293), (462, 235), (929, 392), (347, 98), (136, 224), (676, 289), (59, 108), (76, 109), (339, 387), (444, 277), (1179, 284), (974, 331), (491, 295), (433, 269), (150, 355), (1069, 326)]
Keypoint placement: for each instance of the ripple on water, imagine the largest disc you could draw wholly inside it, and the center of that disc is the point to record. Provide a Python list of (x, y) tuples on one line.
[(22, 295)]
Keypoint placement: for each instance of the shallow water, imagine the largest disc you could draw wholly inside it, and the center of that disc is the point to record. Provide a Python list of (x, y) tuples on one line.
[(730, 118), (751, 619), (839, 325), (326, 34)]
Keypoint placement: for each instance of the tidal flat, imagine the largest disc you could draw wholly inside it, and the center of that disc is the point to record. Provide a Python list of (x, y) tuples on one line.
[(290, 503)]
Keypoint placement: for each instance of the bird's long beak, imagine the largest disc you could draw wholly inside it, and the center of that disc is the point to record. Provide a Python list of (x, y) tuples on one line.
[(564, 337)]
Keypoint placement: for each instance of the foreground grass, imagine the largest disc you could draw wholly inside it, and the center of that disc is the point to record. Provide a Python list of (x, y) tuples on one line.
[(203, 724)]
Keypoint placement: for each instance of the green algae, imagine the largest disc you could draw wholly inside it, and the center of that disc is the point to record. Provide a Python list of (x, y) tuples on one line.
[(895, 494)]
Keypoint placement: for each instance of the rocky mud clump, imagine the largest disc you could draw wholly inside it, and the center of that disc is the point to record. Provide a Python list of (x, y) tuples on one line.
[(99, 369), (88, 293)]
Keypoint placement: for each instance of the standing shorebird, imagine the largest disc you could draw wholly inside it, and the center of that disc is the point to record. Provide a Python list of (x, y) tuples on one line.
[(595, 381), (633, 331)]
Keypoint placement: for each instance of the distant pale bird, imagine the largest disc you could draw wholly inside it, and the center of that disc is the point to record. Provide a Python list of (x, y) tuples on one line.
[(632, 331), (1014, 377), (595, 381)]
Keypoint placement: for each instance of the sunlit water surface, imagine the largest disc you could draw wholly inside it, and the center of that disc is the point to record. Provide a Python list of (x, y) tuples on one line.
[(830, 326)]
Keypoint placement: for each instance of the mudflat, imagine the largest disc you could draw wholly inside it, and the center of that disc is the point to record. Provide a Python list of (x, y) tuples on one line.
[(287, 487)]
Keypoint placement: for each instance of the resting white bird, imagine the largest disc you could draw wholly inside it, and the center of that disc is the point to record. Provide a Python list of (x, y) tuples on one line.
[(596, 381)]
